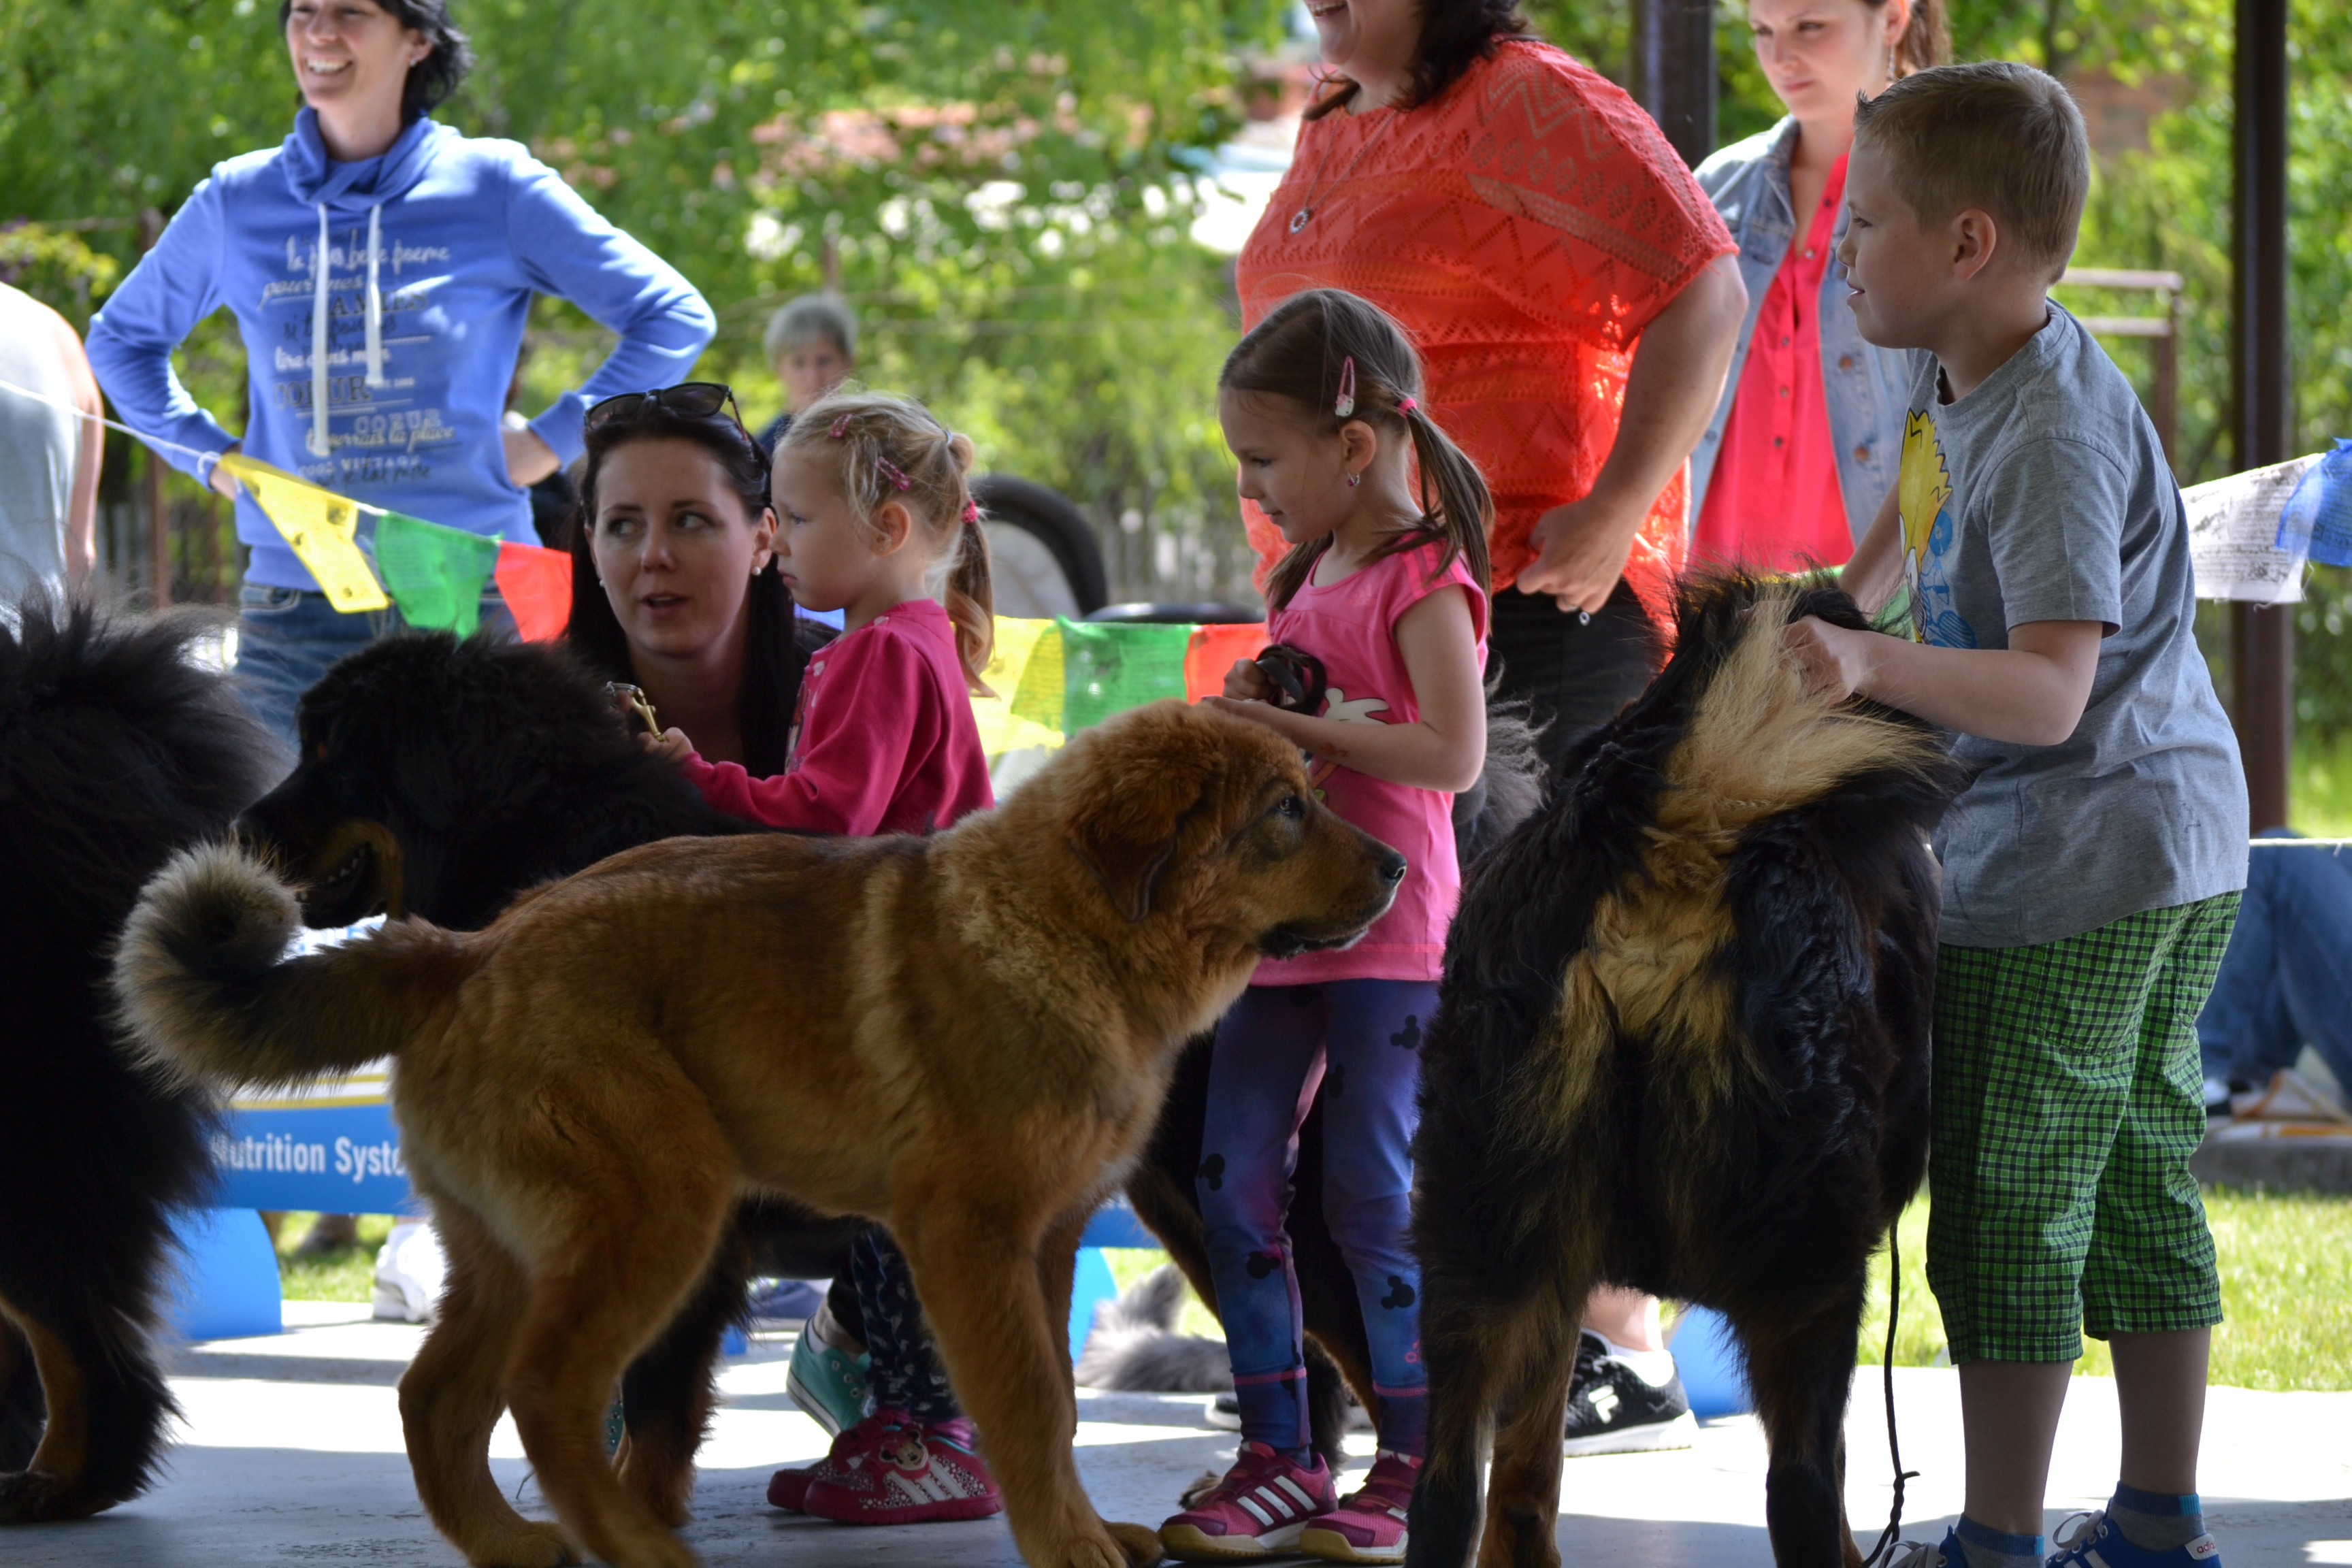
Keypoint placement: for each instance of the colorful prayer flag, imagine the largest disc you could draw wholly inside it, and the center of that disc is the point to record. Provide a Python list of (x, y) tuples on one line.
[(536, 584), (322, 527), (1056, 677), (435, 574)]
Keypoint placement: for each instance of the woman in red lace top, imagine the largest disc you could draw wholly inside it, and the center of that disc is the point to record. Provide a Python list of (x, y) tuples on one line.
[(1575, 300), (1570, 289)]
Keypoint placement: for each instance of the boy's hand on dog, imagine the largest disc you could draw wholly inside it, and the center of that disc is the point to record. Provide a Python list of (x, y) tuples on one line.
[(670, 744), (1245, 682), (1833, 662)]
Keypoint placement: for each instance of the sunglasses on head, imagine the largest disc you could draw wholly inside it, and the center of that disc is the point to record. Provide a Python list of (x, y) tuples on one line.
[(687, 399)]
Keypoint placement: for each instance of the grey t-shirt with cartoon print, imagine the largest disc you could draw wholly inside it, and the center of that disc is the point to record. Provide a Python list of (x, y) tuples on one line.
[(2044, 495)]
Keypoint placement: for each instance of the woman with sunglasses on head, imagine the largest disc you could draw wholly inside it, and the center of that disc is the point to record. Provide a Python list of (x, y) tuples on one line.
[(381, 266)]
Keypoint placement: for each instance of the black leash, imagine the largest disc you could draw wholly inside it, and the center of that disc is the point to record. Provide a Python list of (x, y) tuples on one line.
[(1884, 1549)]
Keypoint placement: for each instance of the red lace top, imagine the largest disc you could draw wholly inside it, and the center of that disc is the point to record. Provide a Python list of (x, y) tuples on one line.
[(1525, 227)]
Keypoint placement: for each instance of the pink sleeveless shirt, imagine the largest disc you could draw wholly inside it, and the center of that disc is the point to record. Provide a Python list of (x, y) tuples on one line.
[(1350, 626)]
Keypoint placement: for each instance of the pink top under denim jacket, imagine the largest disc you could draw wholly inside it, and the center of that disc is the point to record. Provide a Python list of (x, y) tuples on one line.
[(883, 738), (1350, 626)]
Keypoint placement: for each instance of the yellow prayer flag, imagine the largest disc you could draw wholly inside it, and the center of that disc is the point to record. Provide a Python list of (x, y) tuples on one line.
[(319, 525)]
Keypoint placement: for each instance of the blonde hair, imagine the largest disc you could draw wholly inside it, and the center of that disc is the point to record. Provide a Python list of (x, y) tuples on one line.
[(1993, 135), (884, 447)]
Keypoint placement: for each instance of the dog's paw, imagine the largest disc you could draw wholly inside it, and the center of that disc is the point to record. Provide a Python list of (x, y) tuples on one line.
[(1140, 1544), (34, 1497), (526, 1544)]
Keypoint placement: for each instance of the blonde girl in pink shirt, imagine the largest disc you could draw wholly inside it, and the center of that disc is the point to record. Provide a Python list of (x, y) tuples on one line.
[(1385, 587)]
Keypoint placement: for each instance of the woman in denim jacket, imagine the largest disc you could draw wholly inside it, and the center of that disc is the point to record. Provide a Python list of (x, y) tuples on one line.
[(1804, 444)]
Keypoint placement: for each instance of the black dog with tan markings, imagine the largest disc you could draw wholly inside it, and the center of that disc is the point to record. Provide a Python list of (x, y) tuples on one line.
[(1682, 1046)]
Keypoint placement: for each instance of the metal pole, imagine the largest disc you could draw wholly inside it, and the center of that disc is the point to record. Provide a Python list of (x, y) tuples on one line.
[(1674, 71), (2262, 638), (159, 514)]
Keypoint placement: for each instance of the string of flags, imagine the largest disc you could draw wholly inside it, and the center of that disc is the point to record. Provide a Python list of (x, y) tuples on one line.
[(434, 573), (1053, 679)]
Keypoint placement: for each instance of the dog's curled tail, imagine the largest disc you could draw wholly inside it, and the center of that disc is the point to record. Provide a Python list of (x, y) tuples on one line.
[(208, 994)]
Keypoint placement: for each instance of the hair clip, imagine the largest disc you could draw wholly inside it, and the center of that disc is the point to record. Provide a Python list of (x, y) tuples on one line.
[(840, 427), (892, 472), (971, 511), (1345, 404), (1407, 404)]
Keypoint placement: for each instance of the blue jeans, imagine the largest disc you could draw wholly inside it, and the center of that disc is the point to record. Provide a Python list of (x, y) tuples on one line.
[(287, 638), (1361, 1041), (2286, 979)]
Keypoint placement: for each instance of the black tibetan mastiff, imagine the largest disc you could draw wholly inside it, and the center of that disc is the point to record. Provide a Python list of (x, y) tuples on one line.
[(1681, 1046), (116, 748)]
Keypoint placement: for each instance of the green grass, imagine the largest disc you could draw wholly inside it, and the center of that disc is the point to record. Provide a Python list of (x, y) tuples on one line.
[(2319, 787), (2287, 1293), (344, 1273)]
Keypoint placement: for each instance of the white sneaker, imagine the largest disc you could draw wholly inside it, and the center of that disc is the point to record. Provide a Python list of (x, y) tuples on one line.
[(408, 1273)]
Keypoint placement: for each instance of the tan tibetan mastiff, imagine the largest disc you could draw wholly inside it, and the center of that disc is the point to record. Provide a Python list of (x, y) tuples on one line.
[(966, 1035)]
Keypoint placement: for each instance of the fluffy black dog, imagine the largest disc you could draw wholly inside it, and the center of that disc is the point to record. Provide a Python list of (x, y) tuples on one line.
[(440, 778), (116, 750), (1682, 1046)]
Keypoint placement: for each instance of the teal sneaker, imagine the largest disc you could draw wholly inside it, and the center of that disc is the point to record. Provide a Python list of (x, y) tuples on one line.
[(2089, 1540), (825, 1380)]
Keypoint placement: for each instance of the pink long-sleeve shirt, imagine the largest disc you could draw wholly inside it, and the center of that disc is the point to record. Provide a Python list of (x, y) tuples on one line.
[(883, 739)]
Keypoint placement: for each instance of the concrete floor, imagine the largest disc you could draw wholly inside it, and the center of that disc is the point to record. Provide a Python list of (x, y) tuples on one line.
[(292, 1454)]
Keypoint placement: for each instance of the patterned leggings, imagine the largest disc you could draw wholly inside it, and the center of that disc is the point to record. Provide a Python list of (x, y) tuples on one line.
[(906, 1374), (1360, 1039)]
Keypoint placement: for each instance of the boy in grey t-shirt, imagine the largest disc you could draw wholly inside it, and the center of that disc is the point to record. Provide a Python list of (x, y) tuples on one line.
[(2092, 868)]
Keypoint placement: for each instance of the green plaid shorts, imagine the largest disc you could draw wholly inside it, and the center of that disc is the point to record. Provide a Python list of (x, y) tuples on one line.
[(2068, 1097)]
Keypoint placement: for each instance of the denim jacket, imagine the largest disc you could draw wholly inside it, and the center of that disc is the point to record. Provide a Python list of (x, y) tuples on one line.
[(1868, 389)]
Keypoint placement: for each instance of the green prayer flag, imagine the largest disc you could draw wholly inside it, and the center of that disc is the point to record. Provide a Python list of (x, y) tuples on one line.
[(435, 574), (1110, 668)]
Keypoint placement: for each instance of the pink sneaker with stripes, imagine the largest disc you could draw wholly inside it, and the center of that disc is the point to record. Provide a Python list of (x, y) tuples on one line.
[(901, 1472), (1259, 1510)]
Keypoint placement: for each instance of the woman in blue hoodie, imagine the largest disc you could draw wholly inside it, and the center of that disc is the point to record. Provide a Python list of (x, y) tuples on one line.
[(381, 268)]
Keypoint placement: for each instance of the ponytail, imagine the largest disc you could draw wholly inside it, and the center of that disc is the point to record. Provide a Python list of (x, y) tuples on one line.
[(971, 600), (1302, 354), (888, 448), (1926, 39)]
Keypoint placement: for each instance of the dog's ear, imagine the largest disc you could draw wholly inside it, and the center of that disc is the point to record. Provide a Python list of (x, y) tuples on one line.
[(1127, 830)]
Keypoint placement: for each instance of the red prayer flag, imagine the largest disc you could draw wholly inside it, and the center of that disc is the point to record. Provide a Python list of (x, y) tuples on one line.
[(536, 584), (1212, 652)]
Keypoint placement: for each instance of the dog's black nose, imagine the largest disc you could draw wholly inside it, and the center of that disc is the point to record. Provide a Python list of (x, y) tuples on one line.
[(1391, 867)]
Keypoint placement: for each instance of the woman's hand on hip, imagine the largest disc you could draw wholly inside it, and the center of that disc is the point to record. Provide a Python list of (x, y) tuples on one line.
[(528, 458), (221, 479), (1580, 552)]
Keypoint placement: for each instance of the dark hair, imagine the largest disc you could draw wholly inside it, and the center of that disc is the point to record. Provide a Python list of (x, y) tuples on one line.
[(773, 659), (1296, 355), (433, 79), (1455, 36), (1994, 134), (884, 447), (1926, 39)]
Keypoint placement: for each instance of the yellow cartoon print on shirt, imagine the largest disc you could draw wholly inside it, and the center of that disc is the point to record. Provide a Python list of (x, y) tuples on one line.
[(1931, 535)]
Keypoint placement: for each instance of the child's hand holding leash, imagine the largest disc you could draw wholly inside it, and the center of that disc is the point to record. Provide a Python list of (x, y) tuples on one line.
[(671, 744)]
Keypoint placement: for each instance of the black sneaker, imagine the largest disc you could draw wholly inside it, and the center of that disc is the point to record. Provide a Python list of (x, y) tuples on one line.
[(1610, 1410)]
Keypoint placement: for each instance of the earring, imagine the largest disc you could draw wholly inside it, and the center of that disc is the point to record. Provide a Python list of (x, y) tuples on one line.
[(1355, 480)]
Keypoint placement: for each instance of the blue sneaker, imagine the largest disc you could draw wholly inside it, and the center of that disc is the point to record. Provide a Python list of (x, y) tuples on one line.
[(2088, 1540), (825, 1380), (1919, 1555)]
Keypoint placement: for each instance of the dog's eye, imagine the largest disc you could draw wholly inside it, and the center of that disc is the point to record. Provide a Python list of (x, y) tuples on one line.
[(1290, 805)]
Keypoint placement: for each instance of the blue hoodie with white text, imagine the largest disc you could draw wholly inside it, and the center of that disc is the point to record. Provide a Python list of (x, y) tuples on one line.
[(410, 331)]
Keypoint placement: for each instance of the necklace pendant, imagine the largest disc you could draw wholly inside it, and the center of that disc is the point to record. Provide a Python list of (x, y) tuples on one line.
[(1298, 219)]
